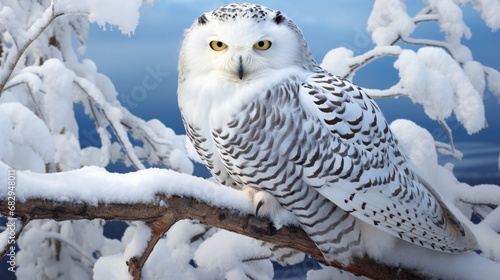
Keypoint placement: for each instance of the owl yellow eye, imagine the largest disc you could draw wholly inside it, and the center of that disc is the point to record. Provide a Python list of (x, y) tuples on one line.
[(217, 45), (262, 45)]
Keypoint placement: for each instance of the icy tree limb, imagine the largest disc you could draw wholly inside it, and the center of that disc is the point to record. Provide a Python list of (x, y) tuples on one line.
[(163, 213)]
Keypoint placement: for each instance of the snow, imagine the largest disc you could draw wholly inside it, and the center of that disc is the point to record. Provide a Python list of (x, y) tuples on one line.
[(463, 266), (489, 10), (58, 103), (32, 81), (173, 151), (242, 254), (41, 237), (475, 73), (336, 61), (432, 78), (450, 19), (425, 86), (104, 12), (493, 77), (388, 21), (470, 108), (180, 238), (422, 152), (94, 185), (138, 244), (188, 240), (111, 267), (27, 143), (162, 263)]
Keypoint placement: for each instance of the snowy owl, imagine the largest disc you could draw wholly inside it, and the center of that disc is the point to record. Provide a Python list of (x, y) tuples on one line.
[(264, 116)]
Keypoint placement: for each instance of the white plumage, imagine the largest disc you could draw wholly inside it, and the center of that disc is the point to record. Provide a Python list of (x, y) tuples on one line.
[(263, 115)]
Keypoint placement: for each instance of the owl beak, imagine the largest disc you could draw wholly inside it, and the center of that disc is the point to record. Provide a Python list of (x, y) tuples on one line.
[(240, 68)]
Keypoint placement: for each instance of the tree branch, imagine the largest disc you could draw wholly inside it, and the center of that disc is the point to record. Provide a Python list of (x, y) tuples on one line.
[(163, 213)]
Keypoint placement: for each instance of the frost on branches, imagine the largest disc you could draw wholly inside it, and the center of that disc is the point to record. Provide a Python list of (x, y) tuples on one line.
[(41, 80)]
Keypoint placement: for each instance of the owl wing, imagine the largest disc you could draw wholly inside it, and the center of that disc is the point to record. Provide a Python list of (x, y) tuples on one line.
[(365, 172)]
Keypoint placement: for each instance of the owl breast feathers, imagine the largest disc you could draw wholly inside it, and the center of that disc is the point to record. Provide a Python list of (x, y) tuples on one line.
[(262, 114)]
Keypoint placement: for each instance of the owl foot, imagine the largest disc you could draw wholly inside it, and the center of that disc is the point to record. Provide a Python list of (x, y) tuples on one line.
[(265, 204)]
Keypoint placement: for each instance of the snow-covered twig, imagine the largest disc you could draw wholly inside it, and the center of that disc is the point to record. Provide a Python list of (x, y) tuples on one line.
[(419, 18), (448, 149), (446, 128), (38, 110), (23, 41), (427, 43), (113, 116), (361, 60), (394, 91)]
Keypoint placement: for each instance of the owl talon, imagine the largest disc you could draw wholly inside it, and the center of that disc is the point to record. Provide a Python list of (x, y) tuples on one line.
[(259, 205), (265, 204)]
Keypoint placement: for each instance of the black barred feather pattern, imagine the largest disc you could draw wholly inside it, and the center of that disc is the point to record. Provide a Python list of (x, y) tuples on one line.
[(314, 141)]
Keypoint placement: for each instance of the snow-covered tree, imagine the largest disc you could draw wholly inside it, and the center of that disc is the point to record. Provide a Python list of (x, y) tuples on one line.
[(42, 78)]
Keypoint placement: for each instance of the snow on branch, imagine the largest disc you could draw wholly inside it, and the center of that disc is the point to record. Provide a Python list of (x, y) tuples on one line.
[(49, 80), (112, 115), (21, 39), (160, 198), (440, 75), (102, 12)]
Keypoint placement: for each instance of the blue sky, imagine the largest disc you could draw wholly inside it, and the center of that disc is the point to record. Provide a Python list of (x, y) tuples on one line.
[(154, 47)]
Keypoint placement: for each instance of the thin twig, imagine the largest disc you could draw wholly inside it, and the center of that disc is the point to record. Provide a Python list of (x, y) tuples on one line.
[(123, 142), (371, 55), (428, 43)]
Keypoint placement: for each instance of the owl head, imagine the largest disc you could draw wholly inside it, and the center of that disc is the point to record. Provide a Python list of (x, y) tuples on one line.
[(242, 42)]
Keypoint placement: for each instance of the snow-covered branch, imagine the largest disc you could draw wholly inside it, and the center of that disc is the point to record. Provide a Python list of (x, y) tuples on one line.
[(161, 198), (166, 198)]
